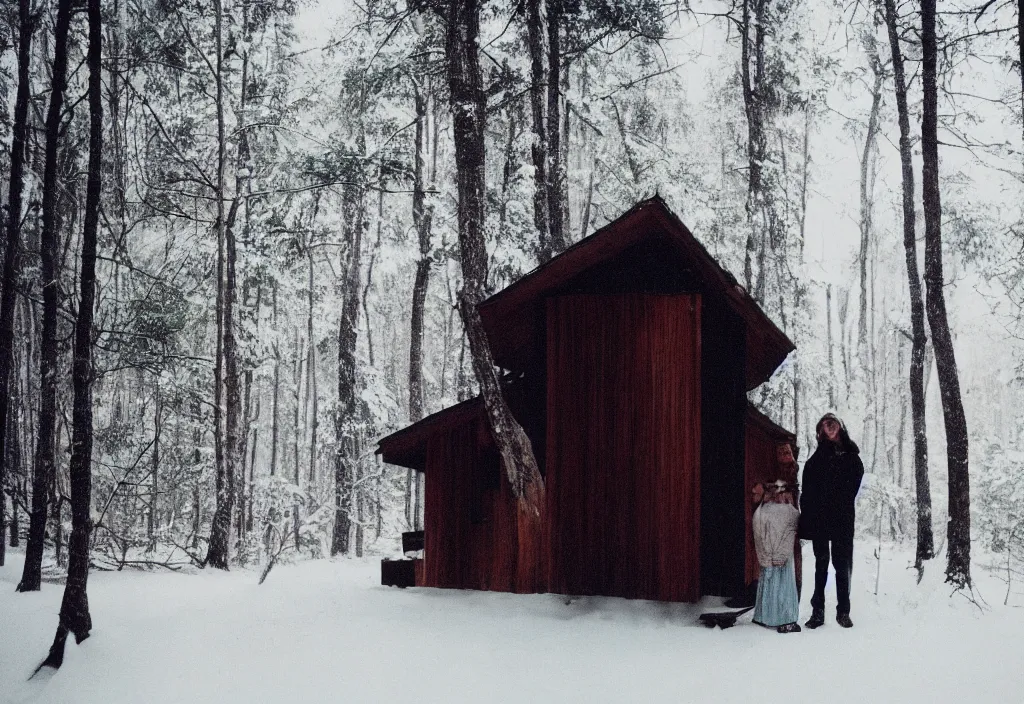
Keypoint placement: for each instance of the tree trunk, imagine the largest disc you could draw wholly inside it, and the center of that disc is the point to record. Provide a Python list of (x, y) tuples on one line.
[(867, 203), (154, 491), (274, 405), (587, 202), (422, 216), (345, 451), (253, 420), (369, 278), (74, 608), (925, 539), (220, 534), (958, 535), (360, 499), (15, 463), (243, 485), (804, 175), (537, 38), (468, 106), (197, 506), (508, 169), (1020, 51), (295, 434), (44, 470), (311, 385), (831, 359), (752, 37), (11, 252), (556, 165)]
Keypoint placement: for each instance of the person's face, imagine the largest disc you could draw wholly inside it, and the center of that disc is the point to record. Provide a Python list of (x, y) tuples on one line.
[(784, 454), (831, 429)]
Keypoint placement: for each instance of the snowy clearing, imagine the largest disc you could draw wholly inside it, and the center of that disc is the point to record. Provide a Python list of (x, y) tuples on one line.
[(325, 631)]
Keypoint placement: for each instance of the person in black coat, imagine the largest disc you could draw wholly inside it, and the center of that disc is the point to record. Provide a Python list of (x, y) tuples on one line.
[(831, 479)]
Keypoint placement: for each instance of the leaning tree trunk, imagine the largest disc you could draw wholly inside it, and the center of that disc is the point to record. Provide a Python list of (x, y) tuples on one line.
[(925, 539), (13, 247), (958, 535), (348, 400), (468, 106), (74, 608), (43, 471)]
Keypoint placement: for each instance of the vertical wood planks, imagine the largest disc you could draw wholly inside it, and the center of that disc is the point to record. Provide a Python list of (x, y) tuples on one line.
[(623, 445)]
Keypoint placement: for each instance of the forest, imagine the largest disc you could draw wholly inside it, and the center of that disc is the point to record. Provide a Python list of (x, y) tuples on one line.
[(245, 239)]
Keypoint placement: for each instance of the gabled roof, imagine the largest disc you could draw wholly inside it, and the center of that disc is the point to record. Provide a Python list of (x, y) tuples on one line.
[(514, 317), (408, 447), (766, 424)]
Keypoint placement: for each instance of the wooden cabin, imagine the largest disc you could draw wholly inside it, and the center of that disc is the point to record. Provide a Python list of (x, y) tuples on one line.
[(628, 360)]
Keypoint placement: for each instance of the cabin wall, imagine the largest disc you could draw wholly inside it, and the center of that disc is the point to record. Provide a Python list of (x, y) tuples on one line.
[(623, 445), (723, 411), (472, 524), (469, 525)]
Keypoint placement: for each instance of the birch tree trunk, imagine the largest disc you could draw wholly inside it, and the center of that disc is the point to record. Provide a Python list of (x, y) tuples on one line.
[(925, 539), (958, 531)]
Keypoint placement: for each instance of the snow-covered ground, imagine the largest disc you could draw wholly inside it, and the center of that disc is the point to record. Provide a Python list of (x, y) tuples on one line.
[(325, 631)]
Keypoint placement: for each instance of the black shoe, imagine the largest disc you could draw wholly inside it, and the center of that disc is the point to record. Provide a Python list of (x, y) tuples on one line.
[(844, 620), (789, 628), (817, 619)]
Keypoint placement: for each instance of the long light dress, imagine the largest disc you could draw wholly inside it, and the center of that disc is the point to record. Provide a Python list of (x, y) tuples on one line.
[(774, 526)]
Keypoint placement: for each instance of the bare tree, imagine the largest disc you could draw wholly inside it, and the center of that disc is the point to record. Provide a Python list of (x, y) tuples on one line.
[(867, 200), (44, 469), (217, 555), (26, 24), (422, 216), (74, 608), (346, 459), (752, 28), (537, 40), (925, 539), (958, 535)]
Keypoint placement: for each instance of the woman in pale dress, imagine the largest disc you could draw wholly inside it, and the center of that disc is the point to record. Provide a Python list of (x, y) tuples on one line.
[(774, 526)]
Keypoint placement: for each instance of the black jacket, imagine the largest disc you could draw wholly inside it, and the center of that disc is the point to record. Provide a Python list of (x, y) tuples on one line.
[(828, 492)]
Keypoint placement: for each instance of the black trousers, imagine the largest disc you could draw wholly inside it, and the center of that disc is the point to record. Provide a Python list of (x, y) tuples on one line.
[(840, 551)]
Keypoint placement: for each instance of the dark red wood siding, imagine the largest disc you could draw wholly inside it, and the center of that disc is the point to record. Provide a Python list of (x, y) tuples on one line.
[(623, 446), (469, 516)]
